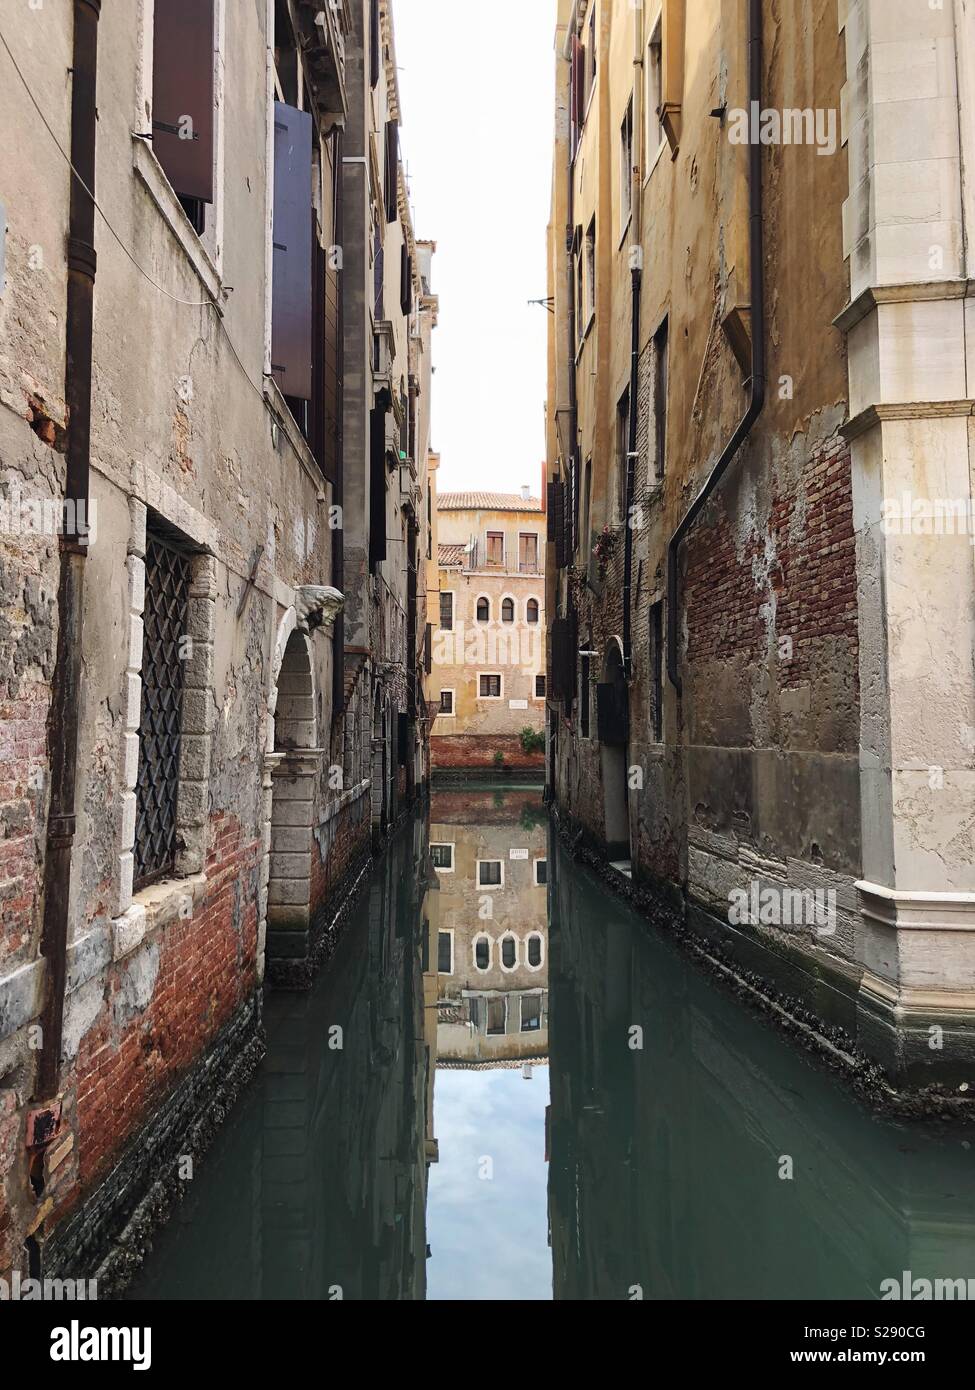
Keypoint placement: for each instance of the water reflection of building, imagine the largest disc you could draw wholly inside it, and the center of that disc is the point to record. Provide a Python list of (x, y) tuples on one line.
[(693, 1155), (489, 927)]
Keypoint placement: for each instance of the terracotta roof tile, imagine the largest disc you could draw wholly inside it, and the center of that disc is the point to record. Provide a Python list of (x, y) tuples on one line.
[(487, 501), (452, 554)]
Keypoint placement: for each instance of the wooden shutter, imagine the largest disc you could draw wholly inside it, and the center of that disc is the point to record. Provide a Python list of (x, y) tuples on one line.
[(182, 94), (405, 280), (375, 43), (377, 488), (579, 83), (556, 522), (391, 179), (291, 300), (563, 660), (428, 649)]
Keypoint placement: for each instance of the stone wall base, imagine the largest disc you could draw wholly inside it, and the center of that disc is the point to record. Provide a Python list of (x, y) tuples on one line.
[(107, 1236), (878, 1039)]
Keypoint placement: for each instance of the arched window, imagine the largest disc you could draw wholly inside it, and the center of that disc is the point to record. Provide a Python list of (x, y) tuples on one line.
[(482, 953), (534, 950), (508, 611), (509, 952), (483, 610), (533, 610)]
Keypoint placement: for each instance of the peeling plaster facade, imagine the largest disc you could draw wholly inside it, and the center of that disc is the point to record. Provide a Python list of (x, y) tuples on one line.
[(194, 447), (821, 737)]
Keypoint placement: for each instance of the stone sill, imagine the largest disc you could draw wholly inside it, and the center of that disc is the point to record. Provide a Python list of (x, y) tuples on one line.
[(160, 190), (346, 799)]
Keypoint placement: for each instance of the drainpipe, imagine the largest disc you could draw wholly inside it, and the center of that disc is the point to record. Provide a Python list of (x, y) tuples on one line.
[(62, 728), (636, 273), (756, 239)]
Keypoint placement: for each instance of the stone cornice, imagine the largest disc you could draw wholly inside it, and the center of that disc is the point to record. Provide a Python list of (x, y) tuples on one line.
[(915, 293), (908, 911), (905, 410)]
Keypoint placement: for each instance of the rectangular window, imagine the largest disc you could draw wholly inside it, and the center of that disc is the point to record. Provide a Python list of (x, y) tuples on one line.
[(622, 453), (541, 871), (183, 42), (539, 687), (584, 697), (531, 1013), (497, 1011), (655, 92), (591, 271), (489, 688), (445, 953), (626, 167), (528, 553), (660, 372), (447, 612), (490, 873), (442, 857), (391, 172), (495, 548), (157, 786), (446, 702), (657, 672)]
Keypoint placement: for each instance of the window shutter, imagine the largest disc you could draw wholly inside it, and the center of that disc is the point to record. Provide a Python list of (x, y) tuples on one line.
[(291, 300), (579, 82), (406, 280), (182, 95), (377, 488), (375, 43), (428, 649), (556, 522), (563, 660), (391, 181), (567, 491)]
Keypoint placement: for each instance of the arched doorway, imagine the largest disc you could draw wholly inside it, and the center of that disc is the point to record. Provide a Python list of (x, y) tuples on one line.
[(613, 710), (294, 767)]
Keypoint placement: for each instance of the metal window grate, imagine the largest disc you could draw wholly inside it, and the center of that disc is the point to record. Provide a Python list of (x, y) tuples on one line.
[(157, 789)]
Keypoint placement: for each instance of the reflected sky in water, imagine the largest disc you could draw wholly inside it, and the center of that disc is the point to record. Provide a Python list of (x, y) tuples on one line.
[(489, 1237)]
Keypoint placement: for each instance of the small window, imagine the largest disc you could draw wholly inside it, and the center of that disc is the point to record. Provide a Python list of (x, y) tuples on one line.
[(482, 953), (442, 857), (655, 130), (446, 612), (591, 270), (584, 694), (657, 672), (534, 945), (541, 871), (490, 873), (528, 553), (532, 611), (490, 687), (445, 953), (495, 548), (626, 167), (660, 400), (539, 687), (483, 610), (509, 952), (531, 1013), (508, 610), (446, 702)]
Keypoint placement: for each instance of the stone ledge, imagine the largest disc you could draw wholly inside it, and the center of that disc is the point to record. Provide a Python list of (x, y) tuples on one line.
[(21, 996), (909, 911)]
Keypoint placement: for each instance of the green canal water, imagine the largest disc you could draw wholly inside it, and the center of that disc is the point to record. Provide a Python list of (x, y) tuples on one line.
[(461, 1109)]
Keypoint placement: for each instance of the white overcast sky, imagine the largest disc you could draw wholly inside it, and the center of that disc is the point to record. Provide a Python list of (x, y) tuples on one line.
[(477, 91)]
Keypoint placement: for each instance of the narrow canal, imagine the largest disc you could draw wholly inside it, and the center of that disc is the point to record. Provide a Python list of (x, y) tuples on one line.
[(462, 1110)]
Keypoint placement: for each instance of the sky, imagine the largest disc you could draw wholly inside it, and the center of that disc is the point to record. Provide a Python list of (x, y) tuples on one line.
[(487, 1222), (477, 95)]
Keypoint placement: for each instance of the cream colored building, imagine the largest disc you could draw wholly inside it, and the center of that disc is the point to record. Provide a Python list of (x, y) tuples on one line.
[(491, 932), (488, 682)]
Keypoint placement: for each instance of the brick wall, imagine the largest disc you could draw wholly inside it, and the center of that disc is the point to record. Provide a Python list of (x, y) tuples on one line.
[(478, 751)]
